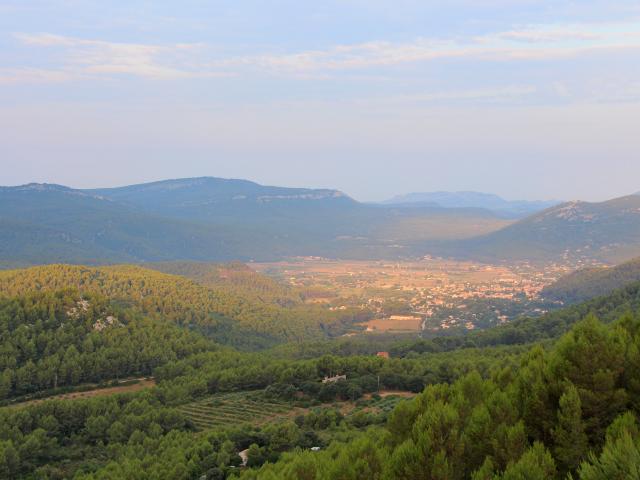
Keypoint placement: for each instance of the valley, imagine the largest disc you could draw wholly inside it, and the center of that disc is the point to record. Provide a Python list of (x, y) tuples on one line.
[(423, 297), (259, 368), (334, 240)]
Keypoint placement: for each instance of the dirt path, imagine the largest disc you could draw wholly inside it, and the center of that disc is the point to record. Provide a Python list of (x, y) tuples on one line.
[(141, 384)]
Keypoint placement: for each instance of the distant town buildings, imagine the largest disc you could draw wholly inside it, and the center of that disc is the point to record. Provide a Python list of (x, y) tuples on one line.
[(431, 294)]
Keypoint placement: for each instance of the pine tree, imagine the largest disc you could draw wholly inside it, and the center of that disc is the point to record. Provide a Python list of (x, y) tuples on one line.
[(620, 459), (536, 464), (571, 441)]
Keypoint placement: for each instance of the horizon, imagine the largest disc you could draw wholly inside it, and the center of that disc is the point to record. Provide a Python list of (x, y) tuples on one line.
[(527, 100), (387, 199)]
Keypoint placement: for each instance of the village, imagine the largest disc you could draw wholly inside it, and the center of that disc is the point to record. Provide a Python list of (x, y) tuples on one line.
[(425, 296)]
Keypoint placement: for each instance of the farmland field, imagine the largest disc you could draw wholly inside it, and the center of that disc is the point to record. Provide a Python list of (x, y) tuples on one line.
[(385, 401), (232, 409), (394, 324)]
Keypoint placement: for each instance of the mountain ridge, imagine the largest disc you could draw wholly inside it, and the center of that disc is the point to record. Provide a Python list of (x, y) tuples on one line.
[(515, 208), (210, 219), (608, 231), (213, 219)]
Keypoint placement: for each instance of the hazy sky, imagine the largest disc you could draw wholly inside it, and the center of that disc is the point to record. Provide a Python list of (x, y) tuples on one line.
[(524, 98)]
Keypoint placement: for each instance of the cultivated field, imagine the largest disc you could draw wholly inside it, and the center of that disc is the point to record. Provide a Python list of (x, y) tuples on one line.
[(387, 400), (383, 325), (232, 409)]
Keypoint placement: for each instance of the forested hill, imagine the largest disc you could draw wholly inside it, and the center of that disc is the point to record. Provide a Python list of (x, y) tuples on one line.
[(210, 219), (588, 283), (221, 314), (209, 198), (235, 277), (486, 414), (607, 308), (51, 340), (571, 412), (608, 231), (52, 223)]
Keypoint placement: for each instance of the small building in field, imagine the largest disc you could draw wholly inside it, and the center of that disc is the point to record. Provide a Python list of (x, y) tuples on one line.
[(334, 379), (384, 355)]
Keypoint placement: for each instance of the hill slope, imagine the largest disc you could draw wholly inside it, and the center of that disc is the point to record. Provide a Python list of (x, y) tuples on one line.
[(59, 339), (608, 231), (234, 277), (226, 316), (51, 223), (588, 283), (212, 199), (211, 219)]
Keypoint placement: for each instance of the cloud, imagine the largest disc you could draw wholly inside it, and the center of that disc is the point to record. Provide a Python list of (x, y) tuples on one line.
[(16, 76), (85, 58), (535, 42)]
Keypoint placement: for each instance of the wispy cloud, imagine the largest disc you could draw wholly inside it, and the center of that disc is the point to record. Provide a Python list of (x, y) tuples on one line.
[(82, 58), (10, 76), (535, 42), (77, 58)]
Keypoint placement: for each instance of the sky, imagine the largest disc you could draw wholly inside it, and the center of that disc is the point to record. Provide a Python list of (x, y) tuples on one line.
[(529, 99)]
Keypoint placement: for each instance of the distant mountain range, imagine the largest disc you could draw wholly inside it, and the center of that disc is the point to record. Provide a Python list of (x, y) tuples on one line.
[(213, 219), (511, 208)]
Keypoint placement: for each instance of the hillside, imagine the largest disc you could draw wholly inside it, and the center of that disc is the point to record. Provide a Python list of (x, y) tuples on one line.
[(607, 231), (212, 199), (510, 208), (588, 283), (234, 277), (52, 340), (532, 412), (210, 219), (298, 221), (224, 315), (51, 223)]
